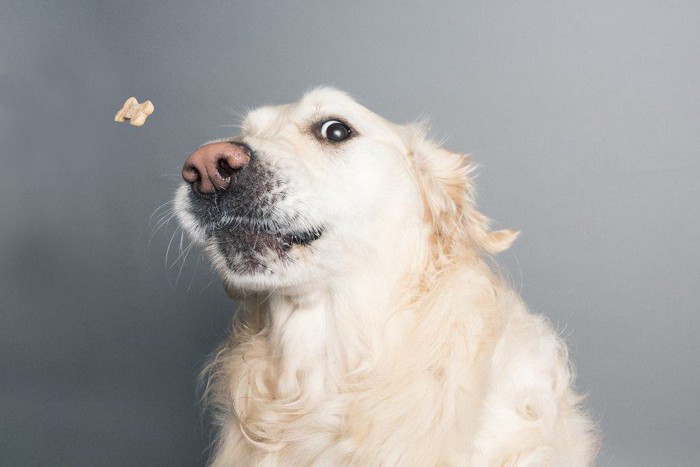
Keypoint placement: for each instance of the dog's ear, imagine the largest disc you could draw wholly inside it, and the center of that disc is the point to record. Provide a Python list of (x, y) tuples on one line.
[(445, 182)]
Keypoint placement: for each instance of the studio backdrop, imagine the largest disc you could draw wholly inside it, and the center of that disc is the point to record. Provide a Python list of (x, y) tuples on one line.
[(584, 117)]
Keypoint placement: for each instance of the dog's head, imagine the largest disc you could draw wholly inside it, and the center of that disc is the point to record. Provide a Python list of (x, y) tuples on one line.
[(313, 189)]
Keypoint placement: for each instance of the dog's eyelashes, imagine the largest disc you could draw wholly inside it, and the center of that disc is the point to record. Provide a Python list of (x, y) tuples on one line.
[(335, 130)]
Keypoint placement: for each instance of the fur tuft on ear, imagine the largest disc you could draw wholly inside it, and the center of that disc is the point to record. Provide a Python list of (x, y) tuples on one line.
[(445, 182)]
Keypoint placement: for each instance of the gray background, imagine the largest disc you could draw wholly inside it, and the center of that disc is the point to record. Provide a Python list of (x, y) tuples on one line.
[(585, 119)]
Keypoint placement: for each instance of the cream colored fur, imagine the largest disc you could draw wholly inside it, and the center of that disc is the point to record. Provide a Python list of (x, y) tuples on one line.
[(389, 341)]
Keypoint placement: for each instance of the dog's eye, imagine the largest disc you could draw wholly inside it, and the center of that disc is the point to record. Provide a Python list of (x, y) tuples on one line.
[(335, 130)]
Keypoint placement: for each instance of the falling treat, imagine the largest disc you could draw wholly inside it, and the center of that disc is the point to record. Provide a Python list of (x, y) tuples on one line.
[(134, 112)]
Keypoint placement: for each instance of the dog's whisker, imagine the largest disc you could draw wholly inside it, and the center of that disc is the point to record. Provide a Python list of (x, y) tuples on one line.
[(164, 217), (167, 251), (155, 211), (162, 221), (194, 272), (180, 250), (208, 284), (184, 260)]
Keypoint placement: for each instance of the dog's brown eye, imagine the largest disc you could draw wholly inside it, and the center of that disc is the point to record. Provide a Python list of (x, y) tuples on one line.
[(335, 130)]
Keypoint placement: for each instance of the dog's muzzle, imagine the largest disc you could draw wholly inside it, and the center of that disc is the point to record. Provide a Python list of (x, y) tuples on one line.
[(235, 199)]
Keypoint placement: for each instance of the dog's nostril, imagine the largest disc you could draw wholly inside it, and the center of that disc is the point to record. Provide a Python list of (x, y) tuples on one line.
[(190, 173), (224, 169)]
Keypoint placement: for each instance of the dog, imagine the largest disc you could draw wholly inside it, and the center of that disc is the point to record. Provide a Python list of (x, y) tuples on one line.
[(372, 330)]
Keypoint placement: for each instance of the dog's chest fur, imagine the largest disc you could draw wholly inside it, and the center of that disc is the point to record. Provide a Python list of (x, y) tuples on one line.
[(435, 388)]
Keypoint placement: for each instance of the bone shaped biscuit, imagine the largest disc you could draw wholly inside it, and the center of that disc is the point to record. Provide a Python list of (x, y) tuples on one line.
[(134, 112)]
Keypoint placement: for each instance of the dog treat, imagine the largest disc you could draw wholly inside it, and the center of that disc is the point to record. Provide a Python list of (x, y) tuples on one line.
[(134, 112)]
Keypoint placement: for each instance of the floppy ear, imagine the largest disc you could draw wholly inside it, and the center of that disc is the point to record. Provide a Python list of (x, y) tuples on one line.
[(445, 182)]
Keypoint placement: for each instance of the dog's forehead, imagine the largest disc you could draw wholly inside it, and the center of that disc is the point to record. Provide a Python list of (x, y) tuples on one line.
[(328, 100), (318, 104)]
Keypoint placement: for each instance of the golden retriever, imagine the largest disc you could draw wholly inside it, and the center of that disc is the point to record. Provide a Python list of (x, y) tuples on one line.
[(373, 333)]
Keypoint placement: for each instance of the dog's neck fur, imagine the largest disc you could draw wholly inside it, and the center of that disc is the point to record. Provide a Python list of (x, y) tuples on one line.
[(322, 336)]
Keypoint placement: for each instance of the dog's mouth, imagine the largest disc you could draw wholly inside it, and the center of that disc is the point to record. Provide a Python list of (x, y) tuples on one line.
[(236, 236), (248, 246), (259, 229), (304, 237), (248, 236)]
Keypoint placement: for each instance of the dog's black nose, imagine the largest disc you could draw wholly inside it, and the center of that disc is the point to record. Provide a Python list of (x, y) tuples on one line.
[(210, 167)]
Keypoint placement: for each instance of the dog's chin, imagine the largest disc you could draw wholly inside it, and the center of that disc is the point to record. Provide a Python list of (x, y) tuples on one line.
[(244, 286), (242, 278)]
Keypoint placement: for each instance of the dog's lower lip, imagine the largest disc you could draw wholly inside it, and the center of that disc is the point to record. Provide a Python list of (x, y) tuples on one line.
[(285, 236), (305, 238)]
